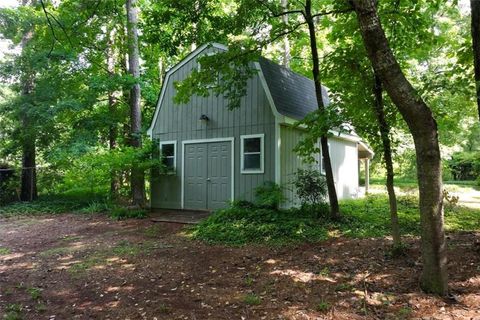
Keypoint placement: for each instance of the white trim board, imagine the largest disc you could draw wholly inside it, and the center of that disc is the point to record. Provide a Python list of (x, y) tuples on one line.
[(172, 70), (185, 142), (262, 153)]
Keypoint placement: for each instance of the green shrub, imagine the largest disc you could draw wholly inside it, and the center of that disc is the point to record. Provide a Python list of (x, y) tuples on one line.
[(243, 204), (238, 226), (121, 213), (8, 185), (362, 218), (318, 210), (55, 204), (465, 165), (269, 195), (96, 207), (311, 187)]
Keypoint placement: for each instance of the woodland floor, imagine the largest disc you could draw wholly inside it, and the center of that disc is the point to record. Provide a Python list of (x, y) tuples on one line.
[(90, 267)]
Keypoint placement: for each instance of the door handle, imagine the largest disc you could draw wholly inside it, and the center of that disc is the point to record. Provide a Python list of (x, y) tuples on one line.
[(208, 179)]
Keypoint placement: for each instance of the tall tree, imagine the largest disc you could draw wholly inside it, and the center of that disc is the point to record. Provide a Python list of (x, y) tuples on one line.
[(137, 177), (332, 193), (29, 154), (475, 7), (112, 109), (385, 129), (423, 127)]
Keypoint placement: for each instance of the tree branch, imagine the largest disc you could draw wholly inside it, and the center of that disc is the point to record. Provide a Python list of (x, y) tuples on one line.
[(325, 13)]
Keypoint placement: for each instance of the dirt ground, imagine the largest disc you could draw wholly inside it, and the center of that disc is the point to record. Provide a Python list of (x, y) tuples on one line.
[(90, 267)]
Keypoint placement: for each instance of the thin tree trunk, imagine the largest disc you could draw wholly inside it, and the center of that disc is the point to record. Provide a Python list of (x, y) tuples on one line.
[(332, 193), (387, 155), (419, 118), (28, 189), (475, 6), (138, 177), (112, 109), (286, 42)]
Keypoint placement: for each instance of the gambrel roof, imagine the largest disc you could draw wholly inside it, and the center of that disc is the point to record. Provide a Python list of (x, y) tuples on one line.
[(293, 94)]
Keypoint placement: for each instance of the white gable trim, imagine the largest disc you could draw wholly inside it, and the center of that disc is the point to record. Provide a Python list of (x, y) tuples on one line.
[(278, 120), (171, 71)]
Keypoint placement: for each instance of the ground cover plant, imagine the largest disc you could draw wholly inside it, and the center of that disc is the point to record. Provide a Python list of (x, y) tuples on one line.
[(362, 218)]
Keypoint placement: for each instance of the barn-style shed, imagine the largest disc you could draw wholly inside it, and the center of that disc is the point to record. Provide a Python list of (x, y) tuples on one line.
[(216, 155)]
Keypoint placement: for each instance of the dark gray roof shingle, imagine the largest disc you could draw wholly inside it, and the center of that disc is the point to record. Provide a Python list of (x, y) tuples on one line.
[(292, 93)]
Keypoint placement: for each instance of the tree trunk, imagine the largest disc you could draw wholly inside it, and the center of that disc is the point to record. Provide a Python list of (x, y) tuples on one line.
[(387, 155), (423, 127), (138, 177), (28, 189), (286, 42), (475, 6), (332, 193), (112, 109)]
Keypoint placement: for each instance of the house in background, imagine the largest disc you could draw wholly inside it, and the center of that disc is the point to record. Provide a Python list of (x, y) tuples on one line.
[(216, 155)]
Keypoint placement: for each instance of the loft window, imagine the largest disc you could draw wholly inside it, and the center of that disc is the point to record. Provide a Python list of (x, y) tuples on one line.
[(168, 151), (252, 153), (217, 74)]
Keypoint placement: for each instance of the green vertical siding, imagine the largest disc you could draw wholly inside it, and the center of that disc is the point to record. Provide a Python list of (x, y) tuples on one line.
[(343, 155), (180, 122), (290, 162)]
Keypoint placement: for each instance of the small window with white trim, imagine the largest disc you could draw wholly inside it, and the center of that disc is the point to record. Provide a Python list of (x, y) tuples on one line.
[(217, 74), (252, 153), (168, 152)]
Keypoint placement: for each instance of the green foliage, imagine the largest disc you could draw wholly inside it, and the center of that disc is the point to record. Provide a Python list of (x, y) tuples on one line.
[(45, 205), (13, 312), (35, 293), (96, 207), (465, 165), (4, 251), (311, 187), (121, 213), (8, 185), (362, 218), (252, 299), (98, 165), (269, 195), (323, 306), (238, 226)]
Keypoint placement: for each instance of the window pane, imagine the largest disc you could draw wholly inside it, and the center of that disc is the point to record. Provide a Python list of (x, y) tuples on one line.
[(168, 150), (251, 162), (251, 145), (168, 162)]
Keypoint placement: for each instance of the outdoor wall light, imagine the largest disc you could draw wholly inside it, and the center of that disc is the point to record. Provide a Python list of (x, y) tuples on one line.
[(204, 118)]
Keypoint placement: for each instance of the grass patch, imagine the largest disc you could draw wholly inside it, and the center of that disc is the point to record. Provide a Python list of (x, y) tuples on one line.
[(58, 251), (153, 231), (13, 312), (251, 299), (362, 218), (121, 213), (35, 293), (88, 263), (126, 248), (322, 306), (55, 204), (71, 238), (4, 251), (122, 249)]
